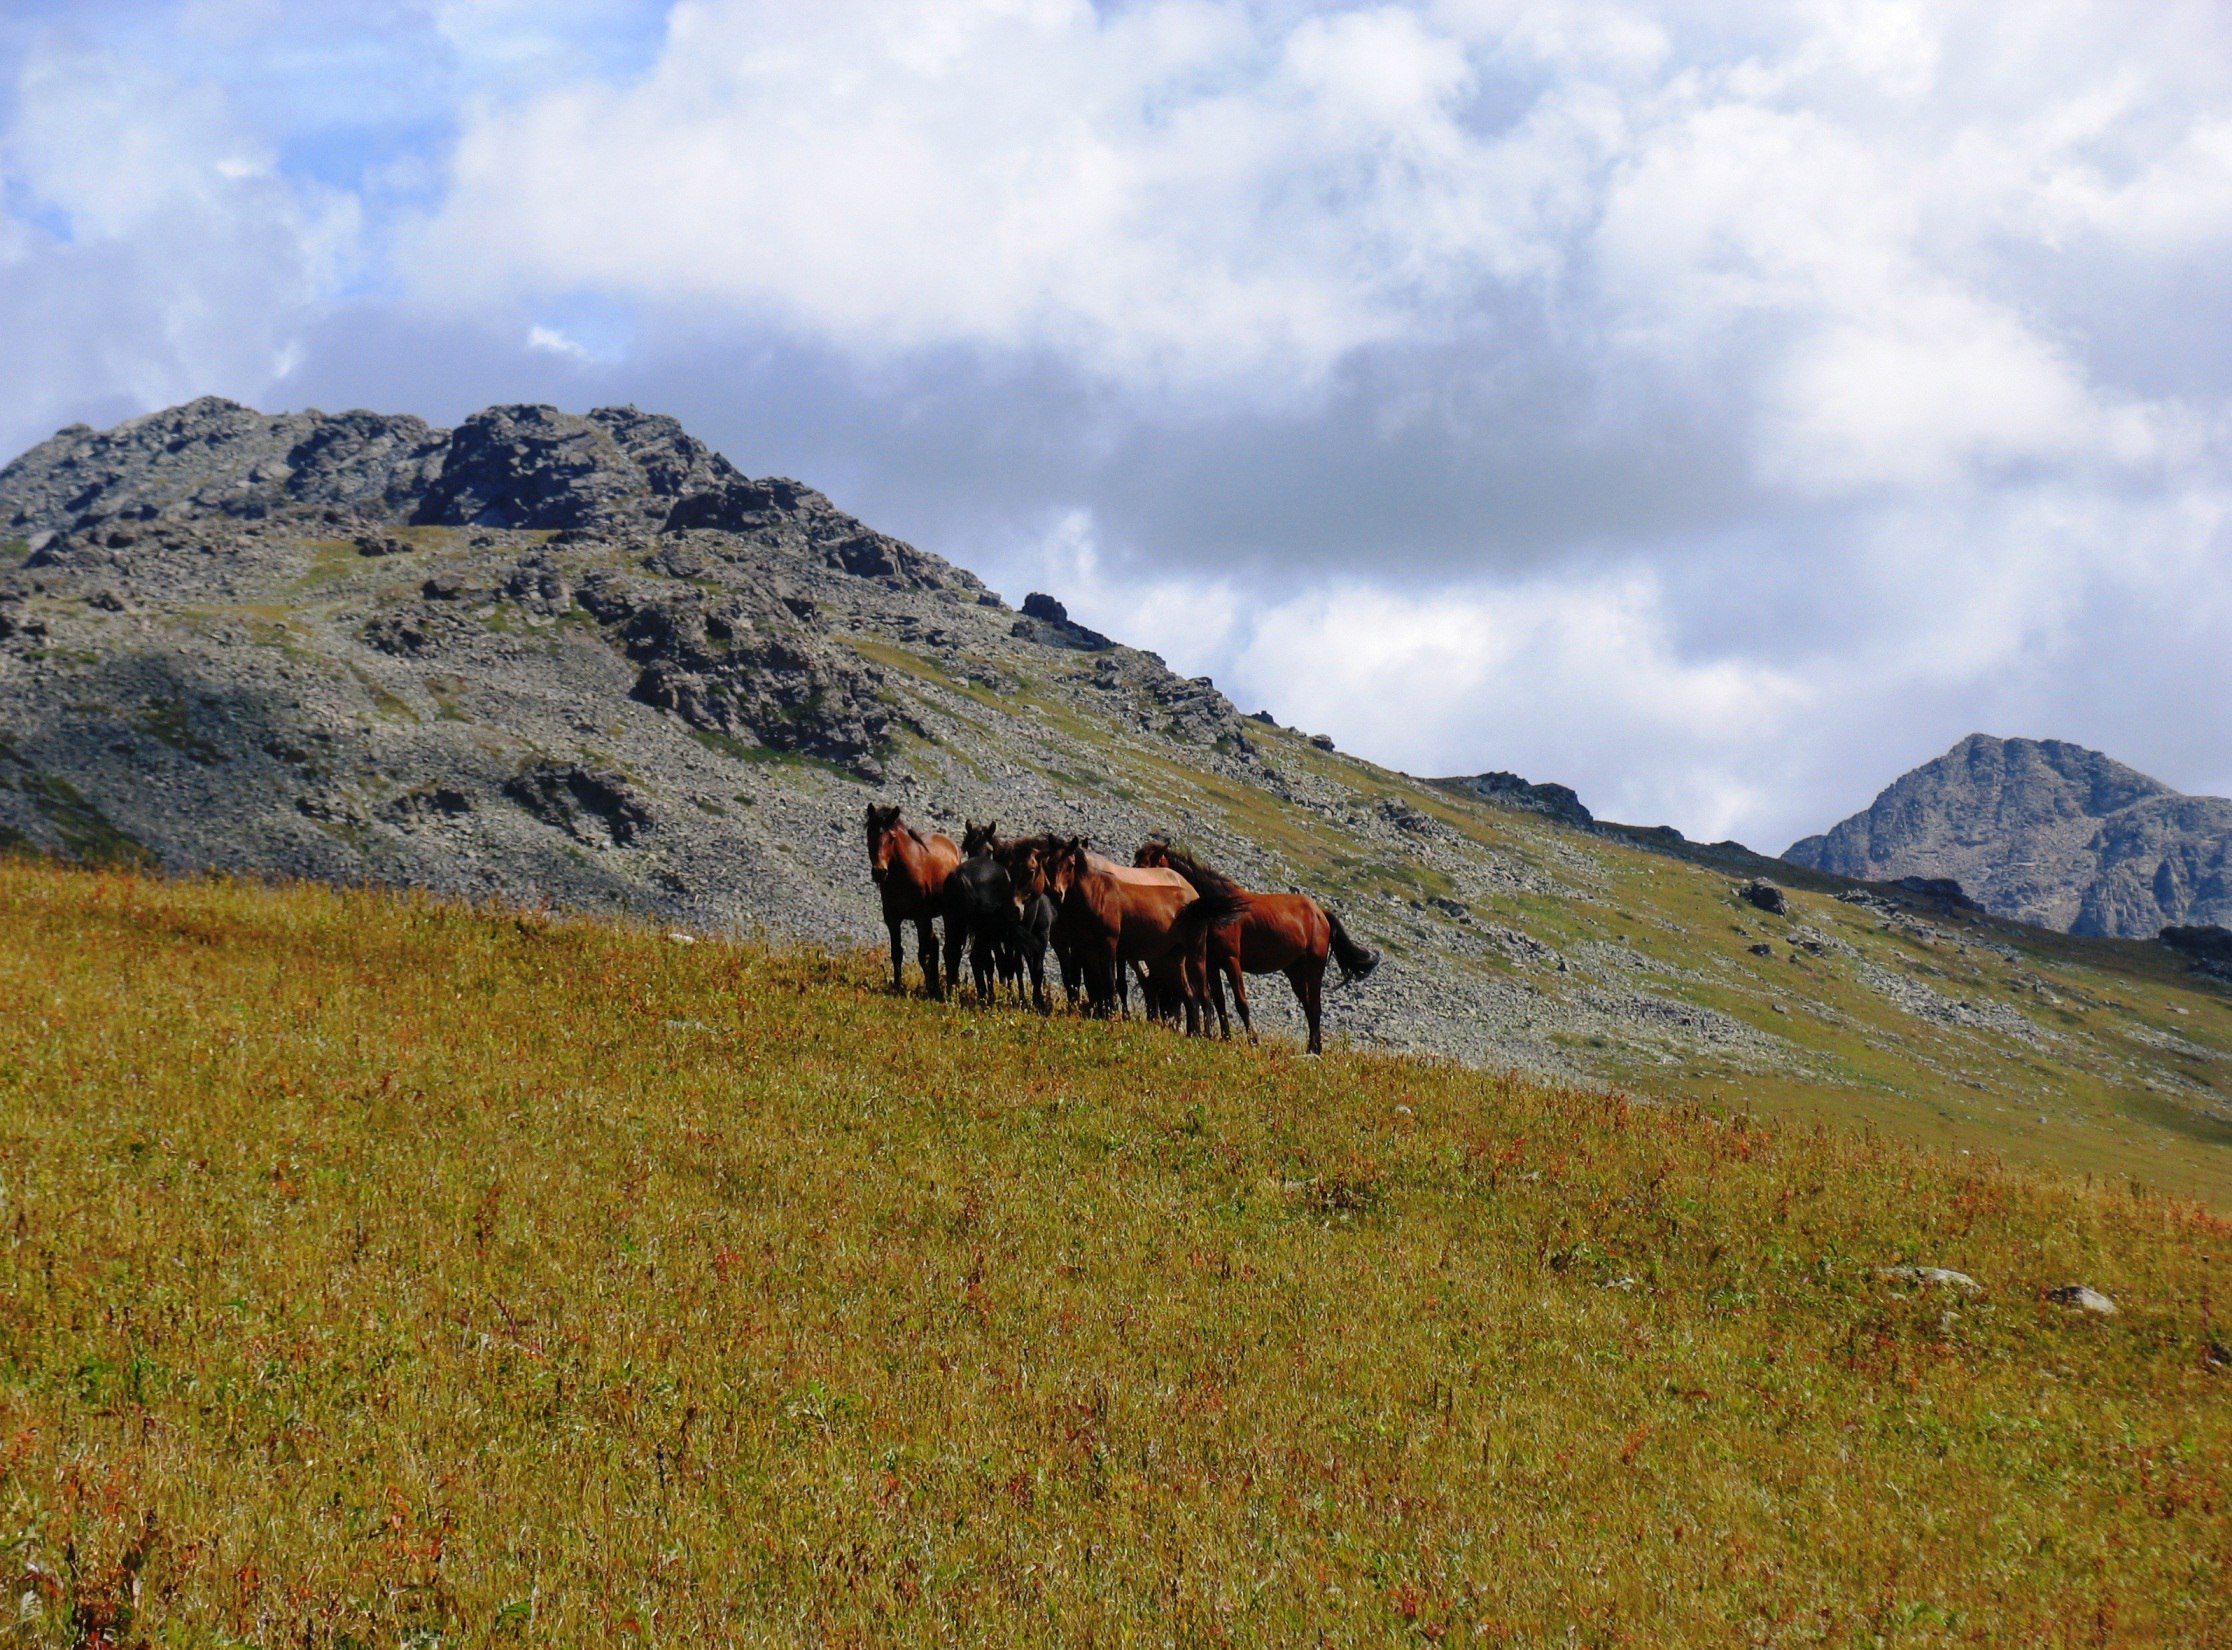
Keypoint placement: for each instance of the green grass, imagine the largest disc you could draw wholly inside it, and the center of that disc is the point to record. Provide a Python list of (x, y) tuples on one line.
[(379, 1272)]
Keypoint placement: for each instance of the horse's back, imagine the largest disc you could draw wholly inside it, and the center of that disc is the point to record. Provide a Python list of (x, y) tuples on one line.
[(1138, 915), (1137, 876), (1277, 928)]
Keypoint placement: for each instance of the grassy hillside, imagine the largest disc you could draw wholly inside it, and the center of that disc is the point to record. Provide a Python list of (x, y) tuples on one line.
[(447, 713), (1518, 940), (376, 1272)]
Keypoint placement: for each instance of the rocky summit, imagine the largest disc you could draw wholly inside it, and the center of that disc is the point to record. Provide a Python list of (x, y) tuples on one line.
[(584, 659), (2047, 833)]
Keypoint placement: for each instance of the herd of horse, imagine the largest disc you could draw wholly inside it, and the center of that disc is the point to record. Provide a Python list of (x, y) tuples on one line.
[(1185, 930)]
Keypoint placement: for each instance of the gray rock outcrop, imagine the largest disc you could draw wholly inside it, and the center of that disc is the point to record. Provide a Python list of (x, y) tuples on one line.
[(1557, 801)]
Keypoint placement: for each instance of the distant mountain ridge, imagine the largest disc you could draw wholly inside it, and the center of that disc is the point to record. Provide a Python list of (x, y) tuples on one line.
[(2046, 832)]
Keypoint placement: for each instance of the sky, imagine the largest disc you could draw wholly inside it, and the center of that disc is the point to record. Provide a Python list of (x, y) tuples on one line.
[(1719, 407)]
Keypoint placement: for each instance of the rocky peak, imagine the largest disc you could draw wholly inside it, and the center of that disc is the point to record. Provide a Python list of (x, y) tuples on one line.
[(214, 457), (2044, 831), (674, 462), (617, 470), (531, 467)]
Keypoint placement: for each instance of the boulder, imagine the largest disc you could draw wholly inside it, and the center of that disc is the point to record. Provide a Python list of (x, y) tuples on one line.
[(1943, 891), (2082, 1298), (1047, 621), (1942, 1276), (1766, 895)]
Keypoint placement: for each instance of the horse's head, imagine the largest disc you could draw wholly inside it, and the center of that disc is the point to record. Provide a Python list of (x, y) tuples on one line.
[(1153, 854), (884, 832), (1026, 869), (1065, 866), (980, 839)]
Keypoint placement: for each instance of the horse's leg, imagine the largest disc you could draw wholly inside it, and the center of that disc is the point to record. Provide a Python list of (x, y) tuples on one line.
[(1034, 958), (1106, 981), (1239, 994), (984, 964), (898, 954), (1187, 996), (926, 947), (1193, 990), (1073, 973), (1308, 977)]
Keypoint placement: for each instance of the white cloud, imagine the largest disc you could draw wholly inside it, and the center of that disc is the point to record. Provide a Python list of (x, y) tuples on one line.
[(1206, 197), (1580, 680), (551, 341), (148, 252), (1175, 192)]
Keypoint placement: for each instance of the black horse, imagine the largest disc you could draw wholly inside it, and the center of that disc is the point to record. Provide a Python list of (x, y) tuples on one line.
[(1029, 935), (979, 911)]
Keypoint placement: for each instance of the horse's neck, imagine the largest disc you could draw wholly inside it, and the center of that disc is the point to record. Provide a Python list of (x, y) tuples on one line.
[(914, 853)]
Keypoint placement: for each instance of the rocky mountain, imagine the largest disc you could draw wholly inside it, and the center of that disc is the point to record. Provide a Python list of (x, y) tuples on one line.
[(586, 659), (2047, 833)]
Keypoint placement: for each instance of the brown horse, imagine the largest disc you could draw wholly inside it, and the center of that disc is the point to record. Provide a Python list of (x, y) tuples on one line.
[(1030, 863), (1289, 934), (910, 871), (1110, 919)]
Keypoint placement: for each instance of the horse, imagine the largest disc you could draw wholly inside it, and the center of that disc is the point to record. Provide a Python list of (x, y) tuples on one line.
[(1272, 933), (1033, 928), (910, 872), (979, 904), (1111, 919), (1019, 853)]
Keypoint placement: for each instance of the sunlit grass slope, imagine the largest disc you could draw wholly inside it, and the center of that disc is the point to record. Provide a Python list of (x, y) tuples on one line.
[(373, 1272)]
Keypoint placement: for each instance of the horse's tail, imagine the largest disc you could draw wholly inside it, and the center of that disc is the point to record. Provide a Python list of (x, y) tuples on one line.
[(1357, 961)]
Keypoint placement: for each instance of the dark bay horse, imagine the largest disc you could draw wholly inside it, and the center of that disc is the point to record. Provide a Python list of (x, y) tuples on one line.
[(1032, 930), (1290, 934), (1111, 918), (910, 871)]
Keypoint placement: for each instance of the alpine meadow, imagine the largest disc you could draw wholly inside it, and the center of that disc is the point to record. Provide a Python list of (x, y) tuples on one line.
[(382, 1271)]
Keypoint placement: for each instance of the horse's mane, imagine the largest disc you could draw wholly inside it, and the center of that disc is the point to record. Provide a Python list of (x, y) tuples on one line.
[(1206, 882)]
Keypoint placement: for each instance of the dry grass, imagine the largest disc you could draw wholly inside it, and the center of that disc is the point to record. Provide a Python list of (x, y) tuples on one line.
[(374, 1272)]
